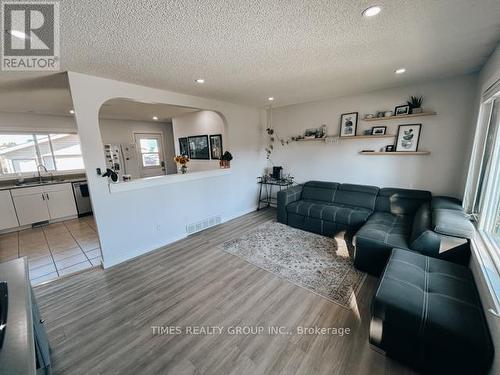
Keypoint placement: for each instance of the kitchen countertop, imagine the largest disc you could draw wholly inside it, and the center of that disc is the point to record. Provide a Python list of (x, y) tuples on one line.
[(12, 185), (18, 351)]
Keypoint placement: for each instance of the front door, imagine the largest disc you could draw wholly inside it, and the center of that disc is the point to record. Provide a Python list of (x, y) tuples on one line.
[(151, 158)]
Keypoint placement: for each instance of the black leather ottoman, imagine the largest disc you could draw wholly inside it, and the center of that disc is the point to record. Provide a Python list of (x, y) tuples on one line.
[(426, 312)]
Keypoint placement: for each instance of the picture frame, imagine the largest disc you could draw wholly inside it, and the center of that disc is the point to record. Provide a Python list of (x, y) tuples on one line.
[(216, 150), (198, 147), (379, 130), (348, 124), (402, 110), (389, 148), (408, 137), (184, 146)]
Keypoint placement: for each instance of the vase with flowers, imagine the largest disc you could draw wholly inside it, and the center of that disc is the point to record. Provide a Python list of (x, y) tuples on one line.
[(182, 161)]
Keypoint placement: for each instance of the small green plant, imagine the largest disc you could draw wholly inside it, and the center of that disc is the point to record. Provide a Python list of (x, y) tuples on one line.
[(415, 102)]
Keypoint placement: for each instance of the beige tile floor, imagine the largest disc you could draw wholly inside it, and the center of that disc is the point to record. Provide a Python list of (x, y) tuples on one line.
[(56, 249)]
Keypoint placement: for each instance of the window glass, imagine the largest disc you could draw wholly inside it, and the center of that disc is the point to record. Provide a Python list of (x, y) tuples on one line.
[(22, 153), (17, 153), (151, 160)]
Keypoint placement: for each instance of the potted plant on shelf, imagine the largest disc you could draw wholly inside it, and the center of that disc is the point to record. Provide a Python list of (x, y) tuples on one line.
[(225, 160), (182, 160), (415, 104)]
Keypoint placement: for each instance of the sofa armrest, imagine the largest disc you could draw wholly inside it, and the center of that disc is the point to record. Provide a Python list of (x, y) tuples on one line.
[(285, 197)]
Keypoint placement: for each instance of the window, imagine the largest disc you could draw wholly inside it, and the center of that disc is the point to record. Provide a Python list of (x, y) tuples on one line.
[(150, 152), (22, 153)]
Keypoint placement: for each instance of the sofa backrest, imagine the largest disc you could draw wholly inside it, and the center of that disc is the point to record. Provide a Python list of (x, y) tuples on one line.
[(320, 191), (401, 201), (356, 195)]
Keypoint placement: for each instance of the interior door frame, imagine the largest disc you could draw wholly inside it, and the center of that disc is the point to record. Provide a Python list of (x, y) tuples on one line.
[(161, 149)]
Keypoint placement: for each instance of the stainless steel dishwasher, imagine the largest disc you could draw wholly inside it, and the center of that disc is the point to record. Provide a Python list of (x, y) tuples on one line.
[(82, 198)]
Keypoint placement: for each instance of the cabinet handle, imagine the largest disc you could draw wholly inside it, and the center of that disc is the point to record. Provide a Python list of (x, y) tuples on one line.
[(43, 196), (47, 195), (42, 321)]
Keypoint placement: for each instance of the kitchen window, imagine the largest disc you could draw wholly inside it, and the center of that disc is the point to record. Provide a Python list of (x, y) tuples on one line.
[(23, 153)]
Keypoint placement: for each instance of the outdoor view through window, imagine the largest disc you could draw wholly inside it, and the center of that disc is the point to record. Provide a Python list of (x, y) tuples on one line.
[(22, 153)]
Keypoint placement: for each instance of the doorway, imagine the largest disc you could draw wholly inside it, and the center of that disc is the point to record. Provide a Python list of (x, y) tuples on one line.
[(151, 157)]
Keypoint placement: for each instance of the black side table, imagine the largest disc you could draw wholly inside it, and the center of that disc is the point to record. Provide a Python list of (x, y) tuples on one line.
[(269, 184)]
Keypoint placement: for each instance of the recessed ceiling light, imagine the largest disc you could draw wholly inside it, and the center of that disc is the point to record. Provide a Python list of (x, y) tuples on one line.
[(18, 34), (155, 118), (200, 80), (400, 71), (372, 11), (271, 99), (72, 111)]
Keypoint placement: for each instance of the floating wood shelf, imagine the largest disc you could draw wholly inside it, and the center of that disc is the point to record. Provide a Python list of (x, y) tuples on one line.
[(369, 136), (400, 116), (311, 139), (398, 153)]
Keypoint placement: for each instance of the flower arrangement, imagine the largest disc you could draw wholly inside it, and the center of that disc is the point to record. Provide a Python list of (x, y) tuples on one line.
[(182, 160)]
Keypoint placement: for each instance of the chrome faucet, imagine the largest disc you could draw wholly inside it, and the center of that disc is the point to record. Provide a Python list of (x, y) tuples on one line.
[(41, 166)]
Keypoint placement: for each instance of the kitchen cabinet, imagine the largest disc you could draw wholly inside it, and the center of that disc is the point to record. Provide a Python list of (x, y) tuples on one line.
[(8, 218), (42, 203), (60, 200), (30, 205)]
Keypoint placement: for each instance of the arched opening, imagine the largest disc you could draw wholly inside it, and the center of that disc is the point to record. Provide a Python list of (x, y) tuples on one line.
[(142, 140)]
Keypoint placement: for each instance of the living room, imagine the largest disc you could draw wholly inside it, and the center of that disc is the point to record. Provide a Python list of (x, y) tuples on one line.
[(294, 188)]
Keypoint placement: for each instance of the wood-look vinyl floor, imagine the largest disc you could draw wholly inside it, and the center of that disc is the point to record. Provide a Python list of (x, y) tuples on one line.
[(100, 321)]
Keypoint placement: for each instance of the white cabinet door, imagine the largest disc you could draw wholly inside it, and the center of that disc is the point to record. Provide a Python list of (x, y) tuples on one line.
[(31, 208), (60, 201), (8, 217)]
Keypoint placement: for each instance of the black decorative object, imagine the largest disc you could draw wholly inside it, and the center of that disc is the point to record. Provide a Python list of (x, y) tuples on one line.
[(216, 146), (198, 147), (277, 172)]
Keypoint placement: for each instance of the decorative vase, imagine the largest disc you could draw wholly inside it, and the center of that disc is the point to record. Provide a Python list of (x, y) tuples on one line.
[(184, 169), (417, 110), (225, 163)]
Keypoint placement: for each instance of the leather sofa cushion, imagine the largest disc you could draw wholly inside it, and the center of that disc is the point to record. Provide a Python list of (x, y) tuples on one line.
[(319, 191), (452, 223), (401, 201), (447, 203), (427, 311), (356, 196), (350, 216), (387, 229), (422, 238)]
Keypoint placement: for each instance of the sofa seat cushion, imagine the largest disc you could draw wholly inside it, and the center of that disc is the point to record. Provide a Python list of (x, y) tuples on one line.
[(343, 214), (387, 229), (427, 312)]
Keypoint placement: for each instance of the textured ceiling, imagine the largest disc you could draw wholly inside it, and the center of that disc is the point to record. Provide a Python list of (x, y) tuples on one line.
[(121, 109), (294, 50)]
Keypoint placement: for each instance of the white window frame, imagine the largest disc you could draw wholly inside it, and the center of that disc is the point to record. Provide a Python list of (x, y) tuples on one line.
[(39, 158)]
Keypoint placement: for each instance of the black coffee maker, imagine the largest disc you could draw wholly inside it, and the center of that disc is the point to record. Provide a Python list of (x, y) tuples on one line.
[(277, 173)]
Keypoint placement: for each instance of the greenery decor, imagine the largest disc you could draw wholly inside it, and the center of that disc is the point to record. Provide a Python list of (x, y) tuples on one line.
[(415, 104), (225, 160), (182, 161)]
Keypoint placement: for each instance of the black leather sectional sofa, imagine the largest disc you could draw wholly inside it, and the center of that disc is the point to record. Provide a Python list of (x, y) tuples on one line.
[(426, 311), (379, 220)]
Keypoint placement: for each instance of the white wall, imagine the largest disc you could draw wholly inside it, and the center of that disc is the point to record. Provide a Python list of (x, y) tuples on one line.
[(491, 71), (445, 135), (134, 222), (122, 131), (199, 123), (36, 122)]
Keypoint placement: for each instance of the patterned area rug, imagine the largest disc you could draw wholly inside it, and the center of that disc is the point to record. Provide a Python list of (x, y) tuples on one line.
[(317, 263)]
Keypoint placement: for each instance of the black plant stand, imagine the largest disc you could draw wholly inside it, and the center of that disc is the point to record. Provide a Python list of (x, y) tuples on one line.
[(269, 184)]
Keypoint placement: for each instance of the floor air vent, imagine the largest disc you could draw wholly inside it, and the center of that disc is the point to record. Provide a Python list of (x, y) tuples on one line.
[(203, 224)]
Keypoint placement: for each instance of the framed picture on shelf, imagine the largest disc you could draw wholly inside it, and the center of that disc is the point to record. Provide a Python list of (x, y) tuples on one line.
[(389, 148), (379, 130), (348, 124), (216, 146), (402, 110), (198, 147), (408, 137), (184, 146)]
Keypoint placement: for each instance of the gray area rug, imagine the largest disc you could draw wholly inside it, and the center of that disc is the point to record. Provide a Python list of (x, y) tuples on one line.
[(317, 263)]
